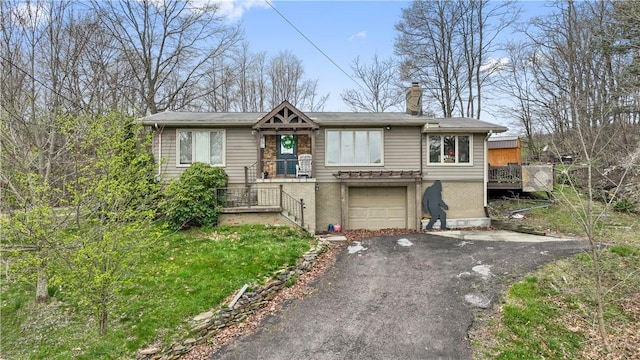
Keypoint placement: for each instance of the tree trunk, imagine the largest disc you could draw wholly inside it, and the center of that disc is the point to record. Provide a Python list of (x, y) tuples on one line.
[(595, 252), (42, 286)]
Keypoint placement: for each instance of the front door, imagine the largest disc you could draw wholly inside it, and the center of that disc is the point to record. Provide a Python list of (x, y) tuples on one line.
[(287, 154)]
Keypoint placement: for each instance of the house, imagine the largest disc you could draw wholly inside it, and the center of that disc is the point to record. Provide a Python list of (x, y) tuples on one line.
[(356, 170)]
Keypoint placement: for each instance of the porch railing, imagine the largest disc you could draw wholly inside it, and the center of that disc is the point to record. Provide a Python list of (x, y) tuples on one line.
[(247, 197), (271, 169), (242, 197), (250, 174), (278, 168), (292, 207)]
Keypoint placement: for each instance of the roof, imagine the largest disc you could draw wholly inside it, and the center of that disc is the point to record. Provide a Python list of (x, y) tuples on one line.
[(459, 124), (503, 142), (325, 119)]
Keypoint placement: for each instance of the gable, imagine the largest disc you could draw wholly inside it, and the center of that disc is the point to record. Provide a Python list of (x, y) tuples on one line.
[(285, 116)]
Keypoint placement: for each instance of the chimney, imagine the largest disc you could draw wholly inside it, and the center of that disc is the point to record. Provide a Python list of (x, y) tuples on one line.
[(414, 99)]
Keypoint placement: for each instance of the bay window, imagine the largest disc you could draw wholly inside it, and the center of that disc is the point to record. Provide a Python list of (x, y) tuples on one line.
[(206, 146)]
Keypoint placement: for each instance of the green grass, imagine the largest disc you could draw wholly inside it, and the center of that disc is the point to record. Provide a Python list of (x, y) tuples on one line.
[(551, 313), (618, 227), (182, 275), (548, 314), (527, 331)]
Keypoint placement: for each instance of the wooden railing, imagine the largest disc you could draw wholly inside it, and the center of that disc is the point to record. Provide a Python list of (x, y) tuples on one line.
[(507, 177)]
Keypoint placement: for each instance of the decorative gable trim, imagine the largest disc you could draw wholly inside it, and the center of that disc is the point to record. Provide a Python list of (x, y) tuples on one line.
[(285, 116)]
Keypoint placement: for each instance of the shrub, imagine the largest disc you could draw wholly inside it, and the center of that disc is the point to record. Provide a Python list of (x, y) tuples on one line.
[(191, 201), (623, 205), (565, 178)]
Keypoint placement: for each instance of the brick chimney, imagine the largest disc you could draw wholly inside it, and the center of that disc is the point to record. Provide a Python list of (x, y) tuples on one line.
[(414, 99)]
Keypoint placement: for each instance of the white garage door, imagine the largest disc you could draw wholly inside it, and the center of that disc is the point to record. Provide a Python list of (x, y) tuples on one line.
[(377, 207)]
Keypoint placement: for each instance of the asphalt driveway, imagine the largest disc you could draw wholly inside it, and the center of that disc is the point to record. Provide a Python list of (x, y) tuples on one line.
[(396, 297)]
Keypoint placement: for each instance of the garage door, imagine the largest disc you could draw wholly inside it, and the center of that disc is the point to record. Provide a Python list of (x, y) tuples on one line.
[(377, 207)]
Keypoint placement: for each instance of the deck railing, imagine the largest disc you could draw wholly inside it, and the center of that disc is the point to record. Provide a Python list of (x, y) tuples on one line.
[(505, 174), (252, 196)]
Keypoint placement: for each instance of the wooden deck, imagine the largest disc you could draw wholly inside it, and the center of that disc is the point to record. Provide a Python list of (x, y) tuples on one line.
[(505, 177)]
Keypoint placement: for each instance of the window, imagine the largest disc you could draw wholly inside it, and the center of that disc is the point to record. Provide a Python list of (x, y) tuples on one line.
[(449, 149), (354, 147), (205, 146)]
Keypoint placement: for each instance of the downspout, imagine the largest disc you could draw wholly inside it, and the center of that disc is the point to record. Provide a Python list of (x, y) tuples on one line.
[(421, 151), (419, 185), (486, 173), (159, 152)]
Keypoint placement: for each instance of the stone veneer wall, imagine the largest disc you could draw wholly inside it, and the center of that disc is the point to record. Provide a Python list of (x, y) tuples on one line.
[(206, 325), (270, 150)]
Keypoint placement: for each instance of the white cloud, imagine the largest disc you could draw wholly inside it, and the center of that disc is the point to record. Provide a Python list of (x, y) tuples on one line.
[(234, 9), (28, 15), (359, 35), (493, 65)]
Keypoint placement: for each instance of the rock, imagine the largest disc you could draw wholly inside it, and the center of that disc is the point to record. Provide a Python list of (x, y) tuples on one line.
[(204, 316), (149, 351)]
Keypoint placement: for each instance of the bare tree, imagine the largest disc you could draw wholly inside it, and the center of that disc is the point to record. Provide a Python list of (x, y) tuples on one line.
[(285, 73), (168, 45), (580, 77), (581, 89), (445, 45), (381, 89), (516, 81)]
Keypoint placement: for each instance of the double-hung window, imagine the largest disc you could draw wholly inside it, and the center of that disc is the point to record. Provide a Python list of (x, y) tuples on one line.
[(450, 149), (354, 147), (206, 146)]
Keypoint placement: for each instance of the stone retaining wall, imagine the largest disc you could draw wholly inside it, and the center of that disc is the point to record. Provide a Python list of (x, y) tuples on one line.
[(206, 325)]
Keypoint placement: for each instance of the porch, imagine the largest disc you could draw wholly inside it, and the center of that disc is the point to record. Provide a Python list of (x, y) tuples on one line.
[(287, 199), (286, 141)]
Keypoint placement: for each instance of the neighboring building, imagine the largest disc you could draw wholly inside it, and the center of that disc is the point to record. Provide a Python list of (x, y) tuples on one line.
[(506, 171), (360, 170), (504, 150)]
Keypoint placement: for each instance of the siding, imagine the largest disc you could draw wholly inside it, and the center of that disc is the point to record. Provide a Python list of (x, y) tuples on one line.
[(401, 152), (457, 172), (240, 152)]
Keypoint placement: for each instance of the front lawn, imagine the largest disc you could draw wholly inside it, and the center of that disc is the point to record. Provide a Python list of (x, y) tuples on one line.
[(182, 275)]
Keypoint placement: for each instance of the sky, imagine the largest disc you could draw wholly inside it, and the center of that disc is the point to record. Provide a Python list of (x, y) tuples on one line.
[(341, 30)]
